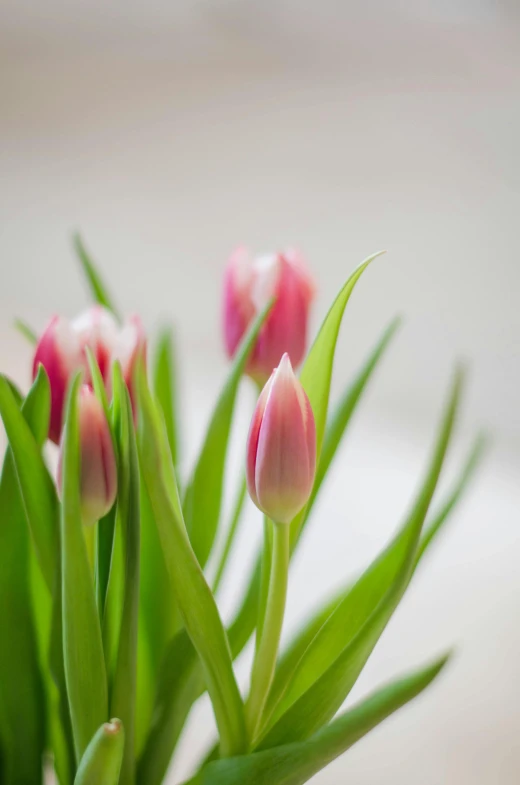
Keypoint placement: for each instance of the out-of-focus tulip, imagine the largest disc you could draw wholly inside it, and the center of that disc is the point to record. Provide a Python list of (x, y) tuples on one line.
[(98, 470), (248, 285), (62, 351), (281, 447)]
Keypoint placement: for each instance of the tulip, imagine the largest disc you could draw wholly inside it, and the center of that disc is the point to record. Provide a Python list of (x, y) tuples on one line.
[(62, 351), (249, 284), (98, 469), (281, 447)]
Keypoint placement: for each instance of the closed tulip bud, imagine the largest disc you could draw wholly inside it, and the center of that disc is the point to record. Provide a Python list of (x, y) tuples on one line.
[(249, 284), (98, 469), (62, 351), (281, 447)]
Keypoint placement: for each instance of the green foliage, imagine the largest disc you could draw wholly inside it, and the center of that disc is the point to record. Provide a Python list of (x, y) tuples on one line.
[(136, 633), (101, 762), (82, 644), (98, 289), (204, 494)]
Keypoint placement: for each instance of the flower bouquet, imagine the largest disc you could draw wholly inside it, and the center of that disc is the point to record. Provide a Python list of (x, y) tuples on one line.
[(111, 629)]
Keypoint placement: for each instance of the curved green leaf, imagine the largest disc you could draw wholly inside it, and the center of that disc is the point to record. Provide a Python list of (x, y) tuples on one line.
[(333, 661), (123, 697), (196, 603), (97, 287), (165, 389), (294, 764), (22, 692), (37, 487), (101, 762), (204, 493), (82, 645), (28, 333)]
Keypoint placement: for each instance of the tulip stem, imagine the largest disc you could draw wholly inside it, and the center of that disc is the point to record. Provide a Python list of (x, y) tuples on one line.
[(267, 649), (90, 542)]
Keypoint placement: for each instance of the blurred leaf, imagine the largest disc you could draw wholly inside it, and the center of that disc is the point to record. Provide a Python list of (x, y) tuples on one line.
[(294, 764), (181, 681), (123, 697), (106, 526), (28, 333), (196, 602), (204, 493), (22, 693), (236, 515), (97, 287), (316, 375), (333, 661), (101, 762), (37, 488), (83, 649), (342, 414), (244, 623), (165, 389), (447, 506)]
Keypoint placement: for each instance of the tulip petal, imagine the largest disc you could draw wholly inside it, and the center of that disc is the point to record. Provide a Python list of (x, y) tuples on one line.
[(283, 477), (239, 309), (252, 441), (59, 352)]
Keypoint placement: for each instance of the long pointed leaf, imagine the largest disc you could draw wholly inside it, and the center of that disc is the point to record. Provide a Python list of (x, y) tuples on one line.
[(37, 488), (123, 698), (97, 287), (204, 494), (23, 701), (294, 764), (82, 646), (165, 389), (331, 665), (196, 602)]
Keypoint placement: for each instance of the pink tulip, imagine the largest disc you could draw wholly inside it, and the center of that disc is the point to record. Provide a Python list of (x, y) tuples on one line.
[(248, 286), (281, 447), (62, 351), (98, 470)]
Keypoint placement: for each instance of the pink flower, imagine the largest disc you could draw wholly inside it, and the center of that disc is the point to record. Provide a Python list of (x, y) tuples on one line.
[(248, 285), (98, 469), (281, 447), (61, 351)]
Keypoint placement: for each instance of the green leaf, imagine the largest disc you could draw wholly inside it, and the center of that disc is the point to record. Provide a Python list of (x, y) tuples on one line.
[(98, 289), (204, 493), (447, 506), (123, 697), (181, 681), (37, 487), (22, 692), (165, 389), (28, 333), (244, 623), (196, 603), (294, 764), (236, 516), (333, 661), (82, 645), (342, 415), (316, 375), (101, 762)]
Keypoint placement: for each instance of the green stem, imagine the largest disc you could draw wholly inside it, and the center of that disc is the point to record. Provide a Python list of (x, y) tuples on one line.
[(89, 531), (267, 649), (235, 520)]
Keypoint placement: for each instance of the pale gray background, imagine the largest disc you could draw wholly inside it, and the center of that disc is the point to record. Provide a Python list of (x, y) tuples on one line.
[(169, 132)]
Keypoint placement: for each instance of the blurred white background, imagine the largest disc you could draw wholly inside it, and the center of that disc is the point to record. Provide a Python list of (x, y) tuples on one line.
[(170, 132)]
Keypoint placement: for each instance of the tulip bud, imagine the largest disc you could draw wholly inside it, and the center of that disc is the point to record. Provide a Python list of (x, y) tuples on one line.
[(281, 447), (249, 284), (59, 351), (62, 351), (98, 470)]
